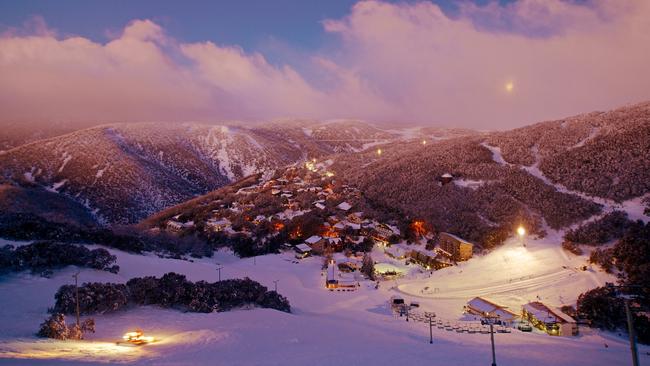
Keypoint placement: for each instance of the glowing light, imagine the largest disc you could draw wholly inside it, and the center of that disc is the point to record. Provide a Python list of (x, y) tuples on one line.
[(521, 231), (96, 351), (510, 86), (379, 152), (137, 337), (329, 174), (424, 142)]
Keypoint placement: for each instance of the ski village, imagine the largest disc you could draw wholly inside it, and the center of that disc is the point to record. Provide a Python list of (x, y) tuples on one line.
[(400, 277), (356, 249), (363, 282), (325, 183)]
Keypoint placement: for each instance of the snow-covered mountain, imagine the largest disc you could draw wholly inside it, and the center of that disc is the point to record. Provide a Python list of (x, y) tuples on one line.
[(124, 172)]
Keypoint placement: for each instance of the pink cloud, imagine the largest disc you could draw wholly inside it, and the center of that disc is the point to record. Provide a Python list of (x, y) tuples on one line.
[(393, 62), (442, 69)]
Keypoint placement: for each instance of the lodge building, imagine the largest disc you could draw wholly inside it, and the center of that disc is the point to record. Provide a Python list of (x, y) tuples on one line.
[(553, 322), (459, 249)]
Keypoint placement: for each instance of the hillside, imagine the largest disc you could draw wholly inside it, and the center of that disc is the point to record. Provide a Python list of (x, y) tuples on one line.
[(489, 195), (603, 154), (125, 172), (556, 173)]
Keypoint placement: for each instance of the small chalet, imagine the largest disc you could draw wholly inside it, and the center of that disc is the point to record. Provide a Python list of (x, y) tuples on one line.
[(382, 234), (259, 219), (355, 217), (176, 226), (173, 225), (335, 280), (302, 251), (217, 225), (316, 243), (446, 178), (344, 206), (551, 321)]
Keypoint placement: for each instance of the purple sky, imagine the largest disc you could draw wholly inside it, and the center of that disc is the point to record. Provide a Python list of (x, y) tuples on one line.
[(486, 65)]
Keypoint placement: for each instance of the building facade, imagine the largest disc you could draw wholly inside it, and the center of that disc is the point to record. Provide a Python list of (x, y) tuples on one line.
[(459, 249), (553, 322)]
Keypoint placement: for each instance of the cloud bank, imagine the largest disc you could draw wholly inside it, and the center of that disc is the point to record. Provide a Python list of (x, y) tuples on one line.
[(408, 63)]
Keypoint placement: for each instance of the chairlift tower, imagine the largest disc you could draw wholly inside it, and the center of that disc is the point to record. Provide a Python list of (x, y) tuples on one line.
[(491, 318)]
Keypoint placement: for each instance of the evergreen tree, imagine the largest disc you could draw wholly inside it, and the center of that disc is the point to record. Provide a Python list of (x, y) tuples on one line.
[(368, 266)]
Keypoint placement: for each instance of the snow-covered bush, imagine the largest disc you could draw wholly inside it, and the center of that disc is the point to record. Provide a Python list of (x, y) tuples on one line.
[(172, 290), (44, 256), (572, 247), (55, 327), (94, 298)]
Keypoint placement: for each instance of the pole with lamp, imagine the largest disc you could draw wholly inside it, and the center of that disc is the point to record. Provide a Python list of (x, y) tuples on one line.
[(521, 231)]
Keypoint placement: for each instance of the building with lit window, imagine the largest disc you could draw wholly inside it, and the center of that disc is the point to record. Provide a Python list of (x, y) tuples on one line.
[(551, 321), (460, 249)]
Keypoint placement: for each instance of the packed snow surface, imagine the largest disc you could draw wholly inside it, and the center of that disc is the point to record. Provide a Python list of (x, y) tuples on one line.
[(324, 328)]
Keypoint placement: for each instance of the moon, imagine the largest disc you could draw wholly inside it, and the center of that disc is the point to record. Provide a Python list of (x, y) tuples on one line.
[(510, 86)]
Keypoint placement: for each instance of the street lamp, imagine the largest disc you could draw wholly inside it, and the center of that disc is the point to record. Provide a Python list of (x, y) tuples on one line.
[(521, 231)]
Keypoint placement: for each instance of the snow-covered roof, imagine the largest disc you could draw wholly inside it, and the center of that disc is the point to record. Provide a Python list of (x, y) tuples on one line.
[(545, 314), (303, 247), (486, 306), (395, 251), (344, 206), (447, 175), (319, 205), (218, 222), (312, 239), (331, 272), (457, 238), (394, 229), (353, 225)]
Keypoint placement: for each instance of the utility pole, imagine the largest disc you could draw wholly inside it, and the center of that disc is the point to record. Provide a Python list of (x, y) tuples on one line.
[(276, 285), (76, 288), (630, 320), (490, 318), (219, 270), (630, 331), (430, 316)]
